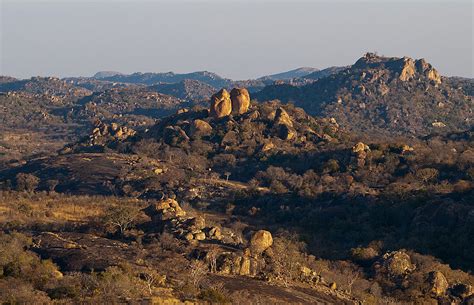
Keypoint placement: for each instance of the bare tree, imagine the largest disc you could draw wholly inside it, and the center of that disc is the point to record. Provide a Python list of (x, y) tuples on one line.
[(211, 258), (197, 271), (121, 217), (151, 278)]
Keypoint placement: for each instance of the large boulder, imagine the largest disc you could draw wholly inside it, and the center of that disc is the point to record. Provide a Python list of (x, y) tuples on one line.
[(395, 264), (282, 118), (240, 99), (221, 104), (260, 241), (200, 128), (438, 283)]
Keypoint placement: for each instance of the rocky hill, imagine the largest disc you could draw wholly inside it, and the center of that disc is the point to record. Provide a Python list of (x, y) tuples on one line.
[(296, 73), (97, 85), (209, 78), (129, 106), (324, 72), (188, 90), (104, 74), (398, 96), (218, 189), (51, 86)]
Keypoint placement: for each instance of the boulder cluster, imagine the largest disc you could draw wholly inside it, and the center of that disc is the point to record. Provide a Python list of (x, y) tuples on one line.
[(398, 265), (224, 103), (103, 133), (406, 68), (167, 215), (251, 259)]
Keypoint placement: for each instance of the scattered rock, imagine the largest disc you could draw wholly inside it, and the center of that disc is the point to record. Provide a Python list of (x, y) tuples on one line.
[(360, 147), (268, 146), (240, 99), (438, 124), (199, 236)]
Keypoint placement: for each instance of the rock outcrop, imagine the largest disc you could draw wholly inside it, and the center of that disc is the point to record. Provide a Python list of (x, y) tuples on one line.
[(221, 105), (427, 70), (104, 133), (284, 125), (408, 69), (438, 283), (240, 99), (167, 215)]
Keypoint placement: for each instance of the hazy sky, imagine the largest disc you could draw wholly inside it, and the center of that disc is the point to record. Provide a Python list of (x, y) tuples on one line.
[(236, 39)]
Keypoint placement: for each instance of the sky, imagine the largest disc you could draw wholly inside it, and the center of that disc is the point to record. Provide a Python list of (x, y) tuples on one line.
[(235, 39)]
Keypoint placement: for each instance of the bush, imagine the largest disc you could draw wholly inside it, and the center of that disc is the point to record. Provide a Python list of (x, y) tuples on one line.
[(26, 182)]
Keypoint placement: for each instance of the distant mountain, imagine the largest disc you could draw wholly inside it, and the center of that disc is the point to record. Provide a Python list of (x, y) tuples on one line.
[(104, 74), (296, 73), (45, 85), (7, 79), (324, 73), (96, 85), (383, 94), (188, 89), (209, 78)]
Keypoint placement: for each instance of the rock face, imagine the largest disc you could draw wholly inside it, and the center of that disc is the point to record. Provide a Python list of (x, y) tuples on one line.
[(438, 283), (282, 118), (427, 70), (200, 128), (240, 99), (260, 241), (221, 104), (408, 69), (284, 125)]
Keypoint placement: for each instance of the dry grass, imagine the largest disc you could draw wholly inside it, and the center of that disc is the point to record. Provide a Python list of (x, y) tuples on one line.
[(56, 208)]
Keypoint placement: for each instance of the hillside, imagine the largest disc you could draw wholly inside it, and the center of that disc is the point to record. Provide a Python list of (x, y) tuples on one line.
[(397, 96), (188, 90), (358, 205), (296, 73)]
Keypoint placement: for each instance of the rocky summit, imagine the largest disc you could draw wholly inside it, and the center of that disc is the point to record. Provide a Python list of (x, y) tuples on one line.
[(386, 95)]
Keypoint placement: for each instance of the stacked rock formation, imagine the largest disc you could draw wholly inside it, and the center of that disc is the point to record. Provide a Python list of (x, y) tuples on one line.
[(168, 215), (223, 104)]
